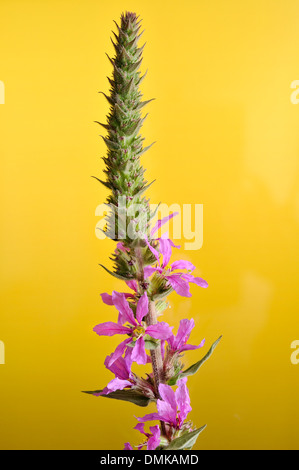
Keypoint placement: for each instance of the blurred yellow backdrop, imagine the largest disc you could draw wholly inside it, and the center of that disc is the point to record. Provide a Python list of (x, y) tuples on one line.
[(227, 137)]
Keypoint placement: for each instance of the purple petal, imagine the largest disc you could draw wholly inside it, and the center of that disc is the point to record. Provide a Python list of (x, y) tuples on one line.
[(189, 347), (196, 280), (165, 249), (126, 313), (166, 412), (139, 354), (149, 270), (110, 329), (183, 333), (182, 264), (107, 298), (119, 351), (117, 384), (172, 244), (132, 284), (168, 395), (154, 440), (121, 368), (128, 446), (120, 246), (182, 399), (142, 307), (180, 285), (151, 417), (140, 428), (153, 250), (172, 342), (128, 362), (161, 222), (159, 331)]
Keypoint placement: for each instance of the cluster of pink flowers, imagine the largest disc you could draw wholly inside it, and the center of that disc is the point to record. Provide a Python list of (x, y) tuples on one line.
[(133, 310)]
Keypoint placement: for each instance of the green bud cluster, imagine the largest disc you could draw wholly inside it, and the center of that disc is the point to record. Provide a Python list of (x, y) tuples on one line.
[(124, 172)]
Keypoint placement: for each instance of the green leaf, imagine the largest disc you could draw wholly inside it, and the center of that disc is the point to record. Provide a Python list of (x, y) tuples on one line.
[(186, 441), (125, 395), (145, 149), (150, 344), (173, 380), (142, 103), (108, 185), (144, 188), (118, 276), (194, 368), (110, 144)]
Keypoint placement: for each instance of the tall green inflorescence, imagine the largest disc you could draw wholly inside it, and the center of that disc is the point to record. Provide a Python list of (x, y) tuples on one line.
[(129, 213)]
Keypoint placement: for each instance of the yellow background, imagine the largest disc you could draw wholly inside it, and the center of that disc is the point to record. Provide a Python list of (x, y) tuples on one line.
[(227, 137)]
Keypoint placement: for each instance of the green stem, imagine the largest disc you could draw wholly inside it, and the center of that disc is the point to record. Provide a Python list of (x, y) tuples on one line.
[(151, 319), (156, 358)]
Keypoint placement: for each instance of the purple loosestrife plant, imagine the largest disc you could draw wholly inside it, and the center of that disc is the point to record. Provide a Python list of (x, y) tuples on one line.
[(143, 262)]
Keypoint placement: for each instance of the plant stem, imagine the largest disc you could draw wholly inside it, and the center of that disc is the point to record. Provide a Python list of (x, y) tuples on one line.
[(156, 357), (151, 319)]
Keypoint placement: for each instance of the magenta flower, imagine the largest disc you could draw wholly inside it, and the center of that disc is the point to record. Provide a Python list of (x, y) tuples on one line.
[(152, 439), (136, 329), (174, 406), (178, 343), (165, 243), (179, 281), (121, 368)]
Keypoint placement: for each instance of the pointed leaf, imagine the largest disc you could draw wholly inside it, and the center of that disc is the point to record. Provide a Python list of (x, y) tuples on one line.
[(110, 101), (194, 368), (133, 67), (118, 276), (145, 149), (108, 185), (143, 189), (140, 50), (126, 395), (132, 127), (132, 43), (111, 145), (127, 88), (106, 126), (120, 113), (186, 441), (124, 55), (142, 78), (142, 104)]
